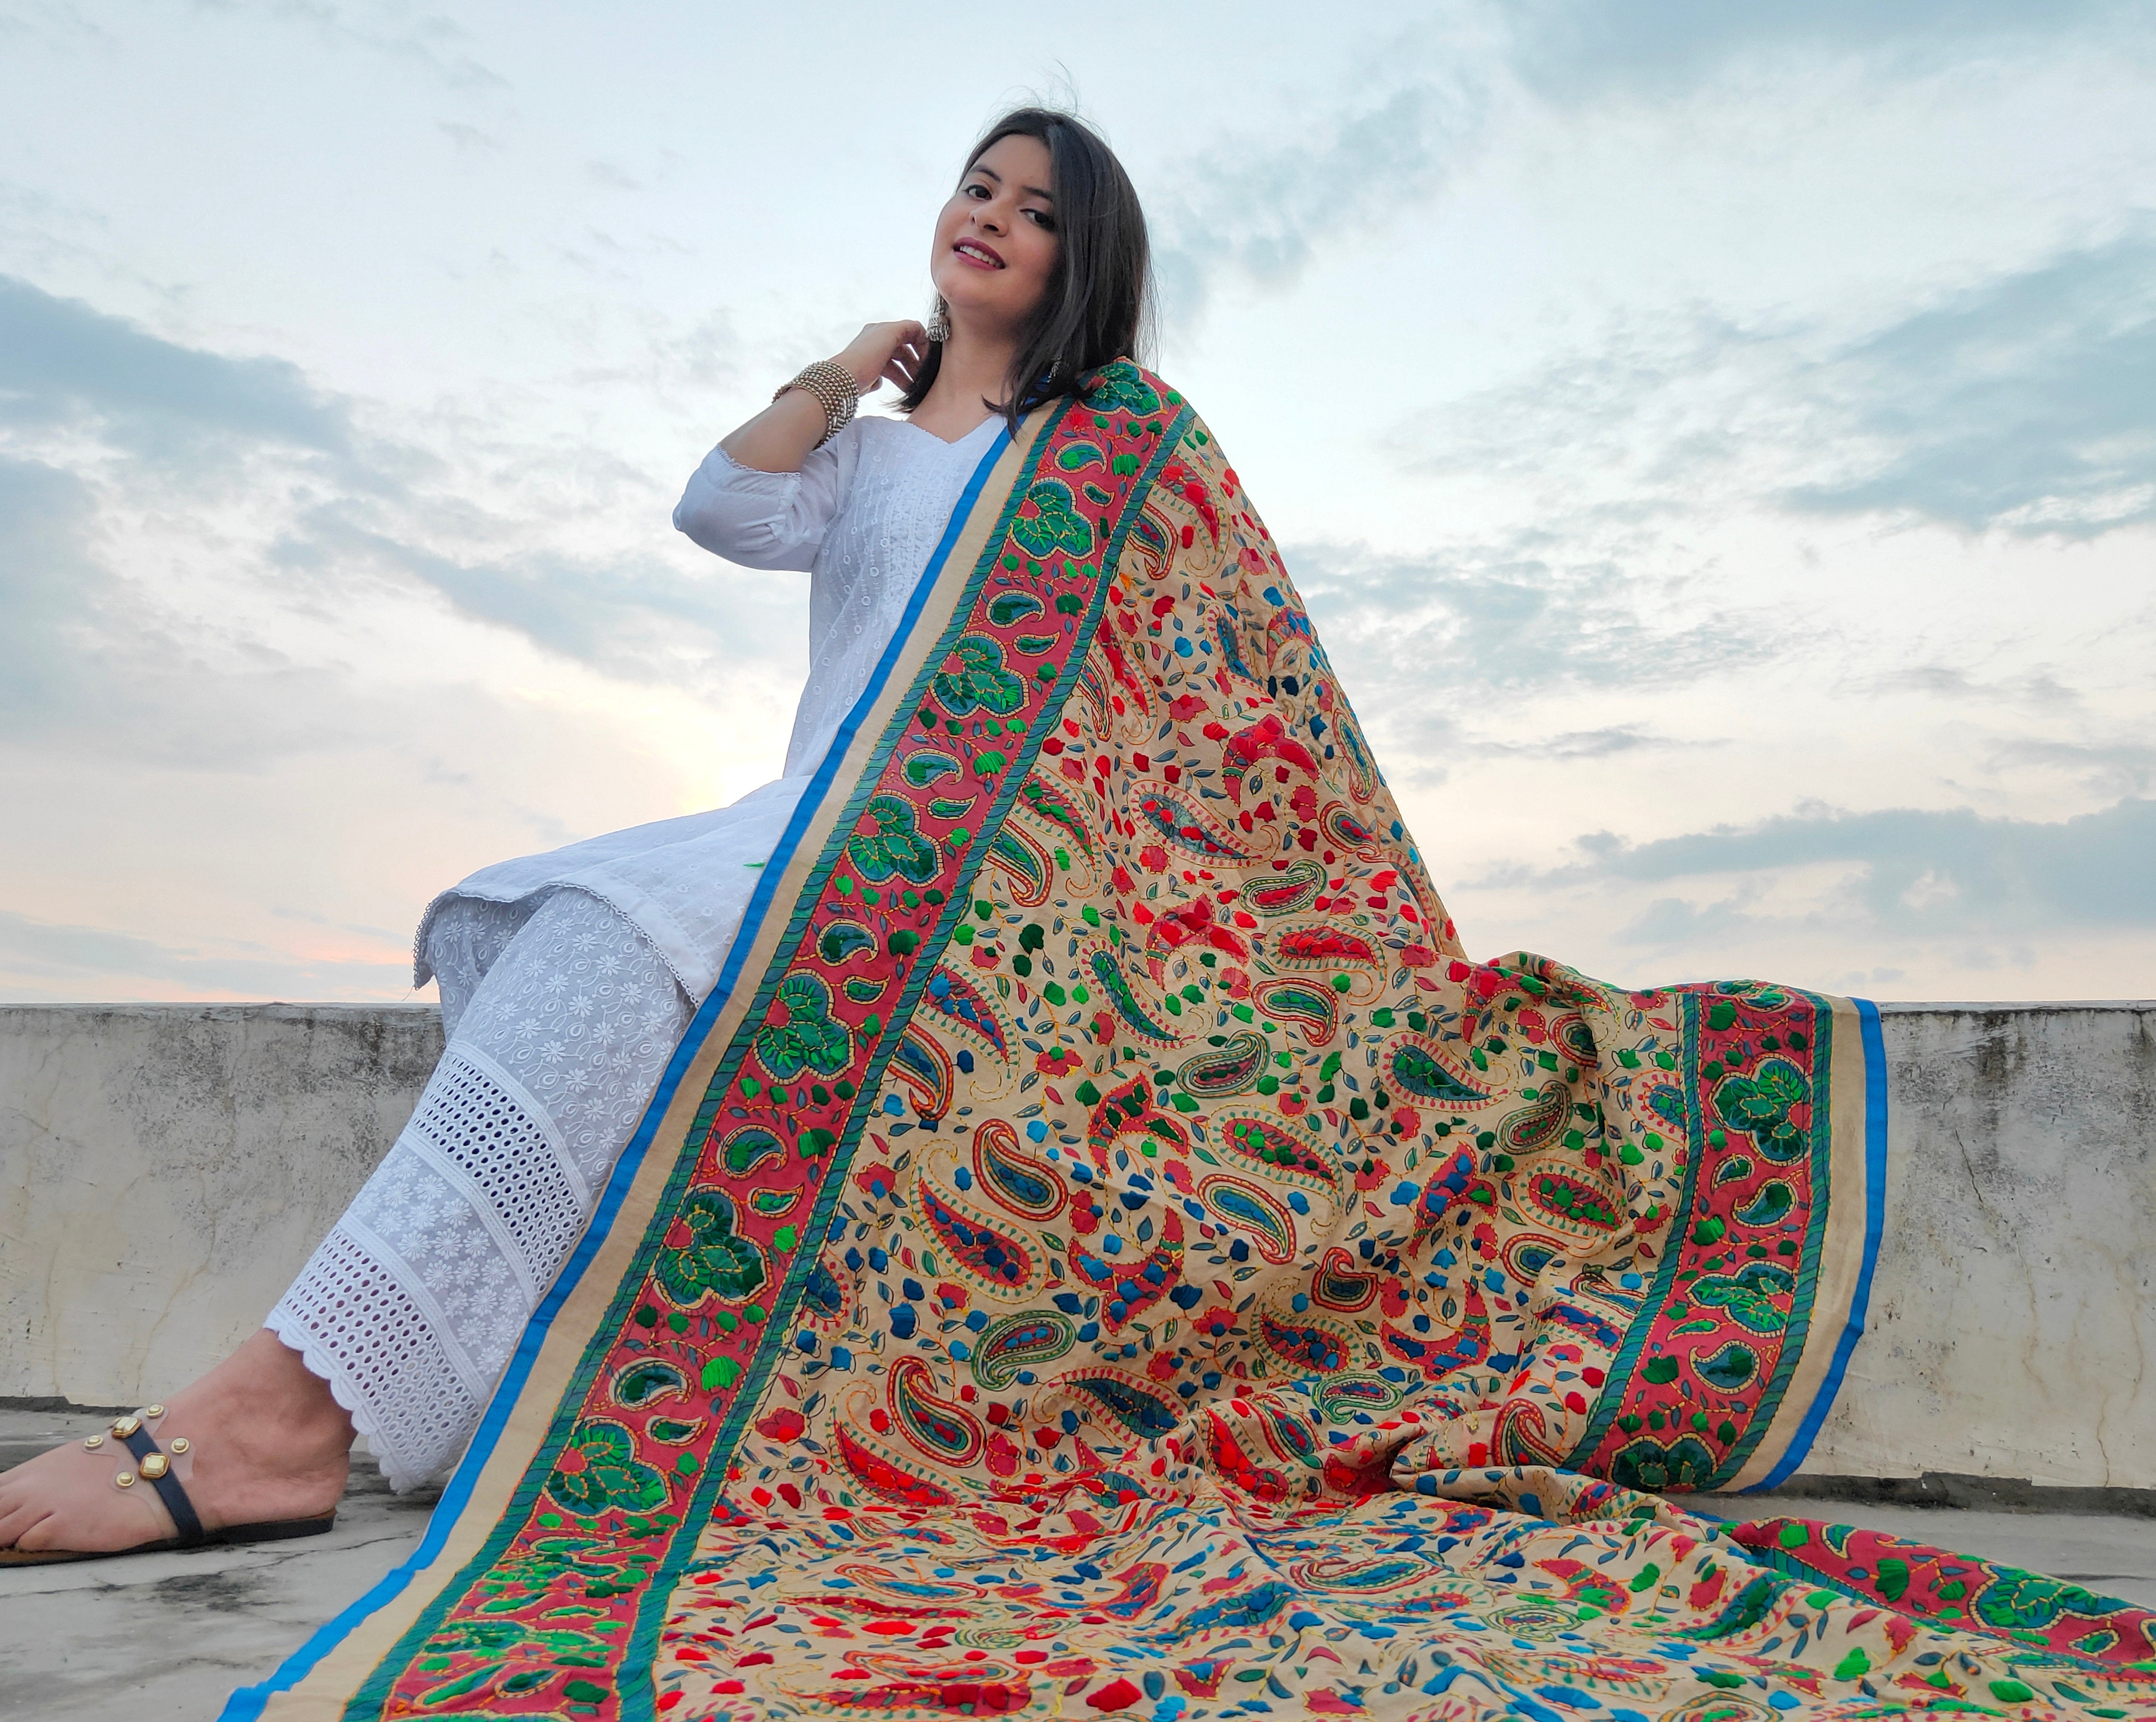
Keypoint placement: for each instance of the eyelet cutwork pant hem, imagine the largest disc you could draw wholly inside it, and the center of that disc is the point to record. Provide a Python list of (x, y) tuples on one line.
[(561, 1022)]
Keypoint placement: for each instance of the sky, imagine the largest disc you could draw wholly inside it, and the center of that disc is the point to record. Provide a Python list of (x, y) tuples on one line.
[(1717, 443)]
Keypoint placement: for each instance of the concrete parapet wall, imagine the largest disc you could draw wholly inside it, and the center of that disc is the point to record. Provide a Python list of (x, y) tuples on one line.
[(2012, 1330), (165, 1169)]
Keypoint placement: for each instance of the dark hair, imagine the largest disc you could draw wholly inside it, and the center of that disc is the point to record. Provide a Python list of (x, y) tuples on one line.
[(1098, 306)]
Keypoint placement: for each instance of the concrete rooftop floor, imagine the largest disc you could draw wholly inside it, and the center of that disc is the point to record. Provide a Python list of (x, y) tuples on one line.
[(165, 1637)]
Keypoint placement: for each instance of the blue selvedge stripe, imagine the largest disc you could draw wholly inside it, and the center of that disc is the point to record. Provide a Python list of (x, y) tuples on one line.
[(246, 1703), (1875, 1224), (639, 1703)]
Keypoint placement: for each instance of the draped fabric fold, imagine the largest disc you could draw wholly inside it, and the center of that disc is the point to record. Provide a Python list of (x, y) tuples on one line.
[(1104, 1247)]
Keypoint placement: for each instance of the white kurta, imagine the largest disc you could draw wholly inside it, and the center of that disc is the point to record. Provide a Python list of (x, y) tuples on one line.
[(863, 516), (568, 978)]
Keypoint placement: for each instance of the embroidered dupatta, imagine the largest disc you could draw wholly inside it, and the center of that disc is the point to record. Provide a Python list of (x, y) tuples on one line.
[(1104, 1246)]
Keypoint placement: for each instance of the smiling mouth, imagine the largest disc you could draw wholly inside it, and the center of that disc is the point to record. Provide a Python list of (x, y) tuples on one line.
[(979, 255)]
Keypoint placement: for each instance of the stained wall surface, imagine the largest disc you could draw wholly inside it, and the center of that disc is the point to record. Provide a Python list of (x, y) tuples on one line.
[(2012, 1330), (165, 1169)]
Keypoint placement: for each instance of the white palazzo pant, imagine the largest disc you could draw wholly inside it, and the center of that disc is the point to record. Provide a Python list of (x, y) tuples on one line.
[(560, 1023)]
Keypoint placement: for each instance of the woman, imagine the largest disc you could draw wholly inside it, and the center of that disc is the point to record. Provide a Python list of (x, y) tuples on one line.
[(566, 978), (1100, 1245)]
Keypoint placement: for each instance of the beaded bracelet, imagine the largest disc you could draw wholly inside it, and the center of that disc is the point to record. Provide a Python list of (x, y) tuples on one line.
[(835, 390)]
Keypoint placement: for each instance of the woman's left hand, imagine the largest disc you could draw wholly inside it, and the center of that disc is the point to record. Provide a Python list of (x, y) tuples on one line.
[(885, 353)]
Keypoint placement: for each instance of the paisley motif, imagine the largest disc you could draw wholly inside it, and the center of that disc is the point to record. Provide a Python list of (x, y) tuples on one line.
[(1340, 1396), (940, 1428), (1309, 1008), (1467, 1345), (743, 1150), (1029, 1188), (1289, 893), (920, 1062), (1283, 1153), (1304, 1347), (1344, 828), (1247, 1207), (1127, 1400), (1025, 863), (1135, 1016), (1323, 947), (1040, 797), (993, 1259), (1228, 1069), (1579, 1200), (951, 1001), (1538, 1125), (1429, 1073), (1129, 1286), (842, 939), (884, 1475), (1017, 1344), (648, 1383), (1178, 822), (1339, 1285)]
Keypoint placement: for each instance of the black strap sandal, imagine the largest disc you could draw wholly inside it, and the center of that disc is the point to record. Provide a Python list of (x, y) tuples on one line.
[(132, 1442)]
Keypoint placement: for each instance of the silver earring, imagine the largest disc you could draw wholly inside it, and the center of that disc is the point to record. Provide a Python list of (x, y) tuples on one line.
[(939, 324)]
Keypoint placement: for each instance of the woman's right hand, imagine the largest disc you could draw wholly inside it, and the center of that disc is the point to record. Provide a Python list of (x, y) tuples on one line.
[(885, 353)]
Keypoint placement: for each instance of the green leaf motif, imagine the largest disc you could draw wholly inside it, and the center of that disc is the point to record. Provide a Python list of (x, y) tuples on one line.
[(598, 1471), (844, 939), (1122, 384), (1686, 1463), (1748, 1296), (896, 845), (481, 1638), (2017, 1601), (808, 1039), (1759, 1105), (925, 767), (715, 1261), (1770, 1206), (1729, 1369), (980, 683), (1057, 524)]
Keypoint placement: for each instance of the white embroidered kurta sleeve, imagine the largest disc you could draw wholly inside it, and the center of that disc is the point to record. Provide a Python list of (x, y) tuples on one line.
[(768, 519)]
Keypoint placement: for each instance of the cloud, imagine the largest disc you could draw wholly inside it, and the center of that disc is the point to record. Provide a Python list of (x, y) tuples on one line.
[(1258, 207), (1429, 640), (430, 43), (2028, 403), (2025, 404), (45, 956), (633, 616), (1590, 744), (1581, 46), (64, 365), (1910, 871), (468, 139), (2114, 768), (48, 584), (322, 511), (2038, 688)]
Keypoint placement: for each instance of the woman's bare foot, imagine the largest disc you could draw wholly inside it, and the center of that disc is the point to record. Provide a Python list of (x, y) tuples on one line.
[(267, 1441)]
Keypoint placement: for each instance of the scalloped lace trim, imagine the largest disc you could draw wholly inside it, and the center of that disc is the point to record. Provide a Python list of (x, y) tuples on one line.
[(412, 1306)]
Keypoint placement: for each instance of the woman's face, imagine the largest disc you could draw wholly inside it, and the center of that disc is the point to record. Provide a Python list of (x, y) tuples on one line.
[(995, 241)]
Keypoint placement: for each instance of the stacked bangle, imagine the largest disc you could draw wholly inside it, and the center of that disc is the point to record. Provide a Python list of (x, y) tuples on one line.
[(835, 390)]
